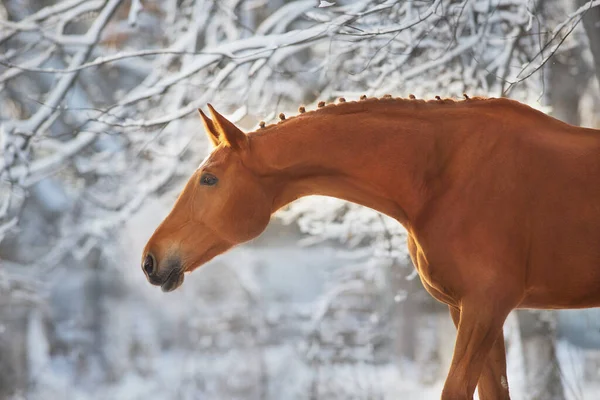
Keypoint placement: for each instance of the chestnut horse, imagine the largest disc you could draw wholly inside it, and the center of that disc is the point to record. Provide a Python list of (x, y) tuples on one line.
[(501, 204)]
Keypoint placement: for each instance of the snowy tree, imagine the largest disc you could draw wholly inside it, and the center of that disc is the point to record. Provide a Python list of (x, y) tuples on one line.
[(98, 101), (94, 93)]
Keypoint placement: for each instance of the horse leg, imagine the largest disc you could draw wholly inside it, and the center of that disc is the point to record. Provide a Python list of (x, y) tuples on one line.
[(492, 384), (480, 324)]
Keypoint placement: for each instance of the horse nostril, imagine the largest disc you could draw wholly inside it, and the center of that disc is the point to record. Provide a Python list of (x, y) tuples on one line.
[(148, 265)]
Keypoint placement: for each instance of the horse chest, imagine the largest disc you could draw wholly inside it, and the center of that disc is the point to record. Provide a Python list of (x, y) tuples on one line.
[(433, 278)]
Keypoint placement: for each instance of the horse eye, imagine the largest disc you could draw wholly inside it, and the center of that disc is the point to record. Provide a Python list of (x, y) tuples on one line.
[(208, 180)]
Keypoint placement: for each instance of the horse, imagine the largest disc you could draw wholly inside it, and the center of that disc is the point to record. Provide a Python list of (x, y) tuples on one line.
[(500, 202)]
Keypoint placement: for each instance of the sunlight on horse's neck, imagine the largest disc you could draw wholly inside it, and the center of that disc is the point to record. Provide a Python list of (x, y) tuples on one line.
[(374, 159)]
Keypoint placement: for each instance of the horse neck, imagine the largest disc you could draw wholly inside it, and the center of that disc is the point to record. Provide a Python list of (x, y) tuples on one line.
[(377, 159)]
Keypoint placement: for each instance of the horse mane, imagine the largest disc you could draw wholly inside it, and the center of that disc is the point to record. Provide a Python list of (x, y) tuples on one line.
[(346, 107)]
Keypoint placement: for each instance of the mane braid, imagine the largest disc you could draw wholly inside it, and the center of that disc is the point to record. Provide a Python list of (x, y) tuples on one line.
[(386, 99)]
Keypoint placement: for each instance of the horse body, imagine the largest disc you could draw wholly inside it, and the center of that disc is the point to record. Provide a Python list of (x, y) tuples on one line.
[(564, 264), (501, 204), (527, 209)]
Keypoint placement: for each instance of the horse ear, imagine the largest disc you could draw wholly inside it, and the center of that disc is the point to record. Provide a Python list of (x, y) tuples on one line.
[(229, 134), (211, 130)]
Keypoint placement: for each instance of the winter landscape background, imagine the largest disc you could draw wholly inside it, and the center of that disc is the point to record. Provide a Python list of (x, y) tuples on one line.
[(99, 131)]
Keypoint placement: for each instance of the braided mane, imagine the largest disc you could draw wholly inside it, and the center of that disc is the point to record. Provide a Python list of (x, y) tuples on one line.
[(344, 105)]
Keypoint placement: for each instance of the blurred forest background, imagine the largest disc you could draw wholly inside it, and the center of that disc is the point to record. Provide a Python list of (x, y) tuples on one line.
[(99, 131)]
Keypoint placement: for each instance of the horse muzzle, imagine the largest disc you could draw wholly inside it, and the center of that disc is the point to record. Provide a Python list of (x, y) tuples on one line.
[(169, 279)]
